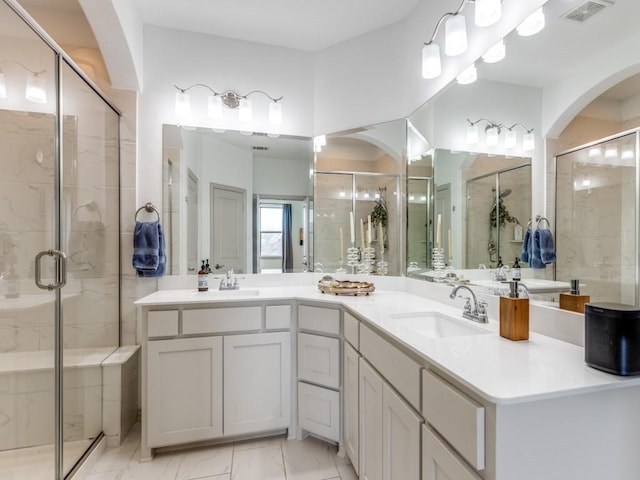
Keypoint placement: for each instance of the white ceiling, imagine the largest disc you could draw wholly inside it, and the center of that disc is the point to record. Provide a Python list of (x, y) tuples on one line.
[(302, 24)]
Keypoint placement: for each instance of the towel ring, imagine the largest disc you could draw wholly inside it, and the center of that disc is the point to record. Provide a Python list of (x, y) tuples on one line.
[(92, 206), (149, 208), (540, 219)]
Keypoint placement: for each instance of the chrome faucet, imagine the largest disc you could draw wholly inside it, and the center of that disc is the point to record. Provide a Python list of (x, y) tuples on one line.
[(478, 313), (230, 282), (500, 274), (524, 288)]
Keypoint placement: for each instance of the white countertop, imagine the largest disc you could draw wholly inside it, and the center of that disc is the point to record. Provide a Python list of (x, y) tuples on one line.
[(500, 370)]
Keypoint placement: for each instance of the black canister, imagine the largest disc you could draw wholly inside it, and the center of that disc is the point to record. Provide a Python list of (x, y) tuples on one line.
[(612, 338)]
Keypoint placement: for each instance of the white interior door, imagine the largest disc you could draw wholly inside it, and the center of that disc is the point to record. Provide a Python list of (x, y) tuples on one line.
[(228, 227)]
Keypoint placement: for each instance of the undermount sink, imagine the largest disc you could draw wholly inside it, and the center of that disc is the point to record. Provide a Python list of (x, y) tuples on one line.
[(434, 325), (215, 293)]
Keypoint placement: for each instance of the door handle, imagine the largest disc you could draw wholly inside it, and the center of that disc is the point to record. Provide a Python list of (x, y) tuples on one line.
[(217, 266), (61, 270)]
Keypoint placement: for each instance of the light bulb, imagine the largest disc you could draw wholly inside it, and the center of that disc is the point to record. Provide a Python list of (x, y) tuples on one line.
[(528, 142), (431, 65), (510, 139), (275, 113), (491, 136), (183, 105), (472, 134), (3, 86), (628, 154), (455, 35), (468, 75), (532, 24), (215, 107), (36, 90), (495, 53), (245, 110), (611, 151), (595, 152), (488, 12)]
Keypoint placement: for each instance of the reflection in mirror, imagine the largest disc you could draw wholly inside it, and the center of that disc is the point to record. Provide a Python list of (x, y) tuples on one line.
[(596, 212), (419, 200), (211, 179), (360, 171), (484, 204)]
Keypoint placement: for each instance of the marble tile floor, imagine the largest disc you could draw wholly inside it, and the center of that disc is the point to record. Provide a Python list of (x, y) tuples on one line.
[(274, 458), (37, 463)]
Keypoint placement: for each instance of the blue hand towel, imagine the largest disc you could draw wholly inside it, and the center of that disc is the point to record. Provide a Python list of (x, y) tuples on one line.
[(547, 252), (162, 258), (526, 246), (535, 261), (146, 246)]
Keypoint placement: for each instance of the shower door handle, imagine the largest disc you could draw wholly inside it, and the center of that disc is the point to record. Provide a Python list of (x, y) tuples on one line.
[(61, 270)]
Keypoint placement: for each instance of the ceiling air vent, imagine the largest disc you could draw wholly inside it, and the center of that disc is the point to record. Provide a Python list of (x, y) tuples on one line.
[(587, 10)]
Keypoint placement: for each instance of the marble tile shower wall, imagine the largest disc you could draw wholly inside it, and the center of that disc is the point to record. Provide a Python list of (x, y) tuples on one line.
[(26, 226), (596, 230)]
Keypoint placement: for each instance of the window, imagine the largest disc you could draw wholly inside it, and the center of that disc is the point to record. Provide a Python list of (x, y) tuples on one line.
[(271, 231)]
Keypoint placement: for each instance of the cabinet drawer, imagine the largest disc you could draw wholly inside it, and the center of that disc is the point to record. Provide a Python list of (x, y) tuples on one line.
[(277, 317), (319, 359), (325, 320), (458, 418), (399, 370), (162, 323), (319, 411), (216, 320), (440, 463), (351, 333)]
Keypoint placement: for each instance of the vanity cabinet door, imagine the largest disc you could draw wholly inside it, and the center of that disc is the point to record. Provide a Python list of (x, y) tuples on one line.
[(400, 438), (257, 382), (350, 409), (439, 462), (370, 414), (184, 390)]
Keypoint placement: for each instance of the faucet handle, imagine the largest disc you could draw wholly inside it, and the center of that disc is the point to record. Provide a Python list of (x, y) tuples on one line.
[(467, 304), (482, 310)]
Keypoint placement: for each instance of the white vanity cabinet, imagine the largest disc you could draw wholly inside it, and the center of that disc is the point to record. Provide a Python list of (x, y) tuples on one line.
[(184, 390), (350, 406), (319, 371), (257, 382), (211, 371)]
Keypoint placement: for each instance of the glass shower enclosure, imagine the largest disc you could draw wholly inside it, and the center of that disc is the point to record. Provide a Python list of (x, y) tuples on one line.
[(59, 253), (597, 218), (496, 217)]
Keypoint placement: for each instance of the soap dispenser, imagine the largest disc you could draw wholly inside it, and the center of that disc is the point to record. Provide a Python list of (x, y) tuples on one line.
[(514, 315), (203, 278), (573, 300)]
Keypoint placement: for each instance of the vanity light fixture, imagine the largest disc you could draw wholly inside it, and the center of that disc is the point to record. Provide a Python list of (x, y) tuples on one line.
[(533, 24), (628, 154), (487, 12), (468, 75), (36, 85), (229, 99), (595, 152), (319, 142), (3, 85), (495, 53), (492, 133)]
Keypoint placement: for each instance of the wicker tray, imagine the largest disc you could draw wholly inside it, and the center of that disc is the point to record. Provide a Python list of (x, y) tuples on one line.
[(345, 287)]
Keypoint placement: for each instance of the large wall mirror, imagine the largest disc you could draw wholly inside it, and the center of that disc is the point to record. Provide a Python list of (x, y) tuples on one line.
[(240, 200)]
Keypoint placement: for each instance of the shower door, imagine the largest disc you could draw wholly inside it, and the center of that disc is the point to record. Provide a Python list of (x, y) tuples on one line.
[(497, 203), (597, 219), (59, 255)]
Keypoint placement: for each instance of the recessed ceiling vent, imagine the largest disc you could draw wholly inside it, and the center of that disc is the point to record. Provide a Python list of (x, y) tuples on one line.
[(587, 10), (262, 149)]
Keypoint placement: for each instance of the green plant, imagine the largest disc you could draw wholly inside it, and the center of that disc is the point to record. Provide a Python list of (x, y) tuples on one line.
[(500, 213), (379, 214)]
